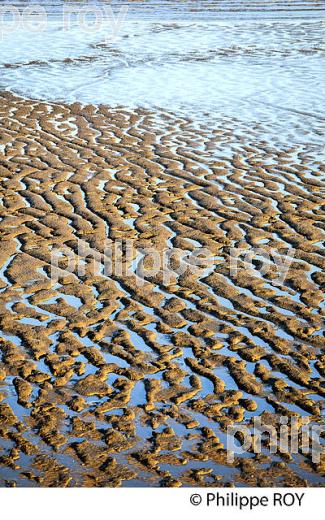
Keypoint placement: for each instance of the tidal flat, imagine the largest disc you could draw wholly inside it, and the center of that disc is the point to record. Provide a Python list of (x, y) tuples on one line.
[(105, 381)]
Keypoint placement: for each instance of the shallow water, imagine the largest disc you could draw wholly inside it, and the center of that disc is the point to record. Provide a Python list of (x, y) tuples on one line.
[(259, 62)]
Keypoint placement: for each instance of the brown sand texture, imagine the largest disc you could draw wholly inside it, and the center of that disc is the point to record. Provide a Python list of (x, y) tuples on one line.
[(107, 383)]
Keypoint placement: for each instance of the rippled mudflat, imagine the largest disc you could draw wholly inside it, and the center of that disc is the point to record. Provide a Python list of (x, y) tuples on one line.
[(185, 133)]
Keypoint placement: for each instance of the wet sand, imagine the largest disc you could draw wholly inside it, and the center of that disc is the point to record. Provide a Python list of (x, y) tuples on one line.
[(105, 383)]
